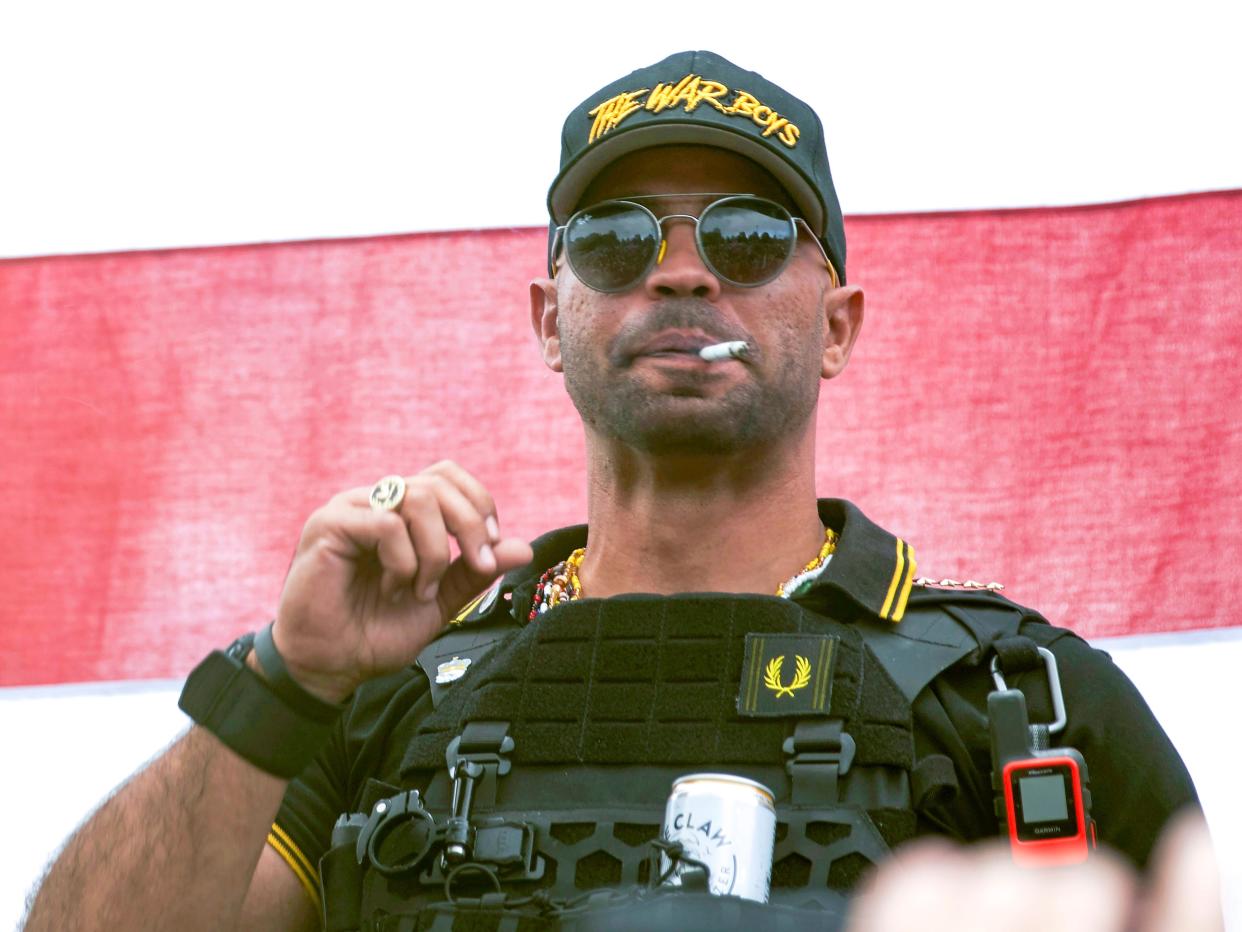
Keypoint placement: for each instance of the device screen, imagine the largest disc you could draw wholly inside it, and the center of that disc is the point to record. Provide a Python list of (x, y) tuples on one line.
[(1043, 800)]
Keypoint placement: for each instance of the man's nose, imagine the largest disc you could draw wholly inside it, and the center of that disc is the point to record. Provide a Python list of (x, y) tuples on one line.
[(680, 272)]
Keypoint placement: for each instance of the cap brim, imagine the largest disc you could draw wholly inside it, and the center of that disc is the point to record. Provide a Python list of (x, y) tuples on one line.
[(576, 177)]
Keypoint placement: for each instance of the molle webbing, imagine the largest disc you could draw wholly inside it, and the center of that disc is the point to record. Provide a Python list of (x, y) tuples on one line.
[(654, 680), (608, 700)]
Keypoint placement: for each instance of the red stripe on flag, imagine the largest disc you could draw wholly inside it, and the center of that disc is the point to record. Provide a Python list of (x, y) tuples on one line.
[(1044, 397)]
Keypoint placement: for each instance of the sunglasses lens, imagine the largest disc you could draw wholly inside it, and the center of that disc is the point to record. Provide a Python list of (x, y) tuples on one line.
[(747, 240), (610, 246)]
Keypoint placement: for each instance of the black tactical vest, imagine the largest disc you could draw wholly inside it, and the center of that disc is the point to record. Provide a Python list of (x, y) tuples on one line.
[(574, 728)]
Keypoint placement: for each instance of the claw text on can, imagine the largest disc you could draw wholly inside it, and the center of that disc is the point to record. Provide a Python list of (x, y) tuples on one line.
[(729, 824)]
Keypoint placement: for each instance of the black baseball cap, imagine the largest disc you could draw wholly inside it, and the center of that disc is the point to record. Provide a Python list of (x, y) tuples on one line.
[(701, 98)]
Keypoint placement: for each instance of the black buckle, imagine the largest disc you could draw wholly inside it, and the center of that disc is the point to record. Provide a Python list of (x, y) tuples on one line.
[(820, 754), (506, 845), (241, 647), (476, 758), (386, 816), (508, 849)]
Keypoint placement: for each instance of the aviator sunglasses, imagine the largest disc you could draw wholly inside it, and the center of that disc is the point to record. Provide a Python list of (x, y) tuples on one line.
[(742, 239)]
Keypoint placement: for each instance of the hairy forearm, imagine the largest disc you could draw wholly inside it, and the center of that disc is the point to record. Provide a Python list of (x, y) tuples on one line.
[(174, 848)]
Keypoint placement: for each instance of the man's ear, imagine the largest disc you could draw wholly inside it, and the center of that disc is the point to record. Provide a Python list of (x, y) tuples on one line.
[(543, 319), (843, 312)]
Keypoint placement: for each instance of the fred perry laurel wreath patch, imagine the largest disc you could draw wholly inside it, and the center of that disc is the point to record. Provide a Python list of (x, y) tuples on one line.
[(787, 674)]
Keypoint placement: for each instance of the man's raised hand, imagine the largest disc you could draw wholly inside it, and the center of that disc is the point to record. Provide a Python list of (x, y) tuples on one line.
[(367, 589)]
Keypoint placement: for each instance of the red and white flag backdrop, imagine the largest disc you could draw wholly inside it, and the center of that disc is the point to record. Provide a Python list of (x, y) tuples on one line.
[(1047, 398)]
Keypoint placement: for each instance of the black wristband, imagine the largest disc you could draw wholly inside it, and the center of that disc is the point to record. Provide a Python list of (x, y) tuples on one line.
[(285, 686), (243, 710)]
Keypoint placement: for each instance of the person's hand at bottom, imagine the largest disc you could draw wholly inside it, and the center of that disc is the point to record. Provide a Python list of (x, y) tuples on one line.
[(933, 886)]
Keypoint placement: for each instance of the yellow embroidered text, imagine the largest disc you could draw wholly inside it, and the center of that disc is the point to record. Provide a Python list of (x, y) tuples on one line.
[(612, 111), (688, 93), (690, 90)]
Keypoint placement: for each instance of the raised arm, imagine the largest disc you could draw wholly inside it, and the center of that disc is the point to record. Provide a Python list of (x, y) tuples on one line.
[(181, 844)]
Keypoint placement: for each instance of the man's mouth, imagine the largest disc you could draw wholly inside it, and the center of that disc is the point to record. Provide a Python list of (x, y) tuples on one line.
[(671, 353), (674, 346), (673, 343)]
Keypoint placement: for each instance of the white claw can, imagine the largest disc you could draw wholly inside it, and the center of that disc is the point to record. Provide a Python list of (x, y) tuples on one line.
[(729, 824)]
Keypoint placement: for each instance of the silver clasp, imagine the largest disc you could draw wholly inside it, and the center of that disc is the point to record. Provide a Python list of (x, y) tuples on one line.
[(1054, 688)]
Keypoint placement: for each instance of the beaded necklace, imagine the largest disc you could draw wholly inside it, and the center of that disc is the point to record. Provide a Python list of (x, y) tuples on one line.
[(560, 583)]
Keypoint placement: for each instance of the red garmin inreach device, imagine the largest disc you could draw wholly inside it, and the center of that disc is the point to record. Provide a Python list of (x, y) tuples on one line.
[(1042, 795), (1045, 809)]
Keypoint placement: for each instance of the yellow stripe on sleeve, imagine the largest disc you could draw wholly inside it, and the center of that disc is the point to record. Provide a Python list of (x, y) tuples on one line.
[(899, 610), (894, 583), (294, 850), (298, 862)]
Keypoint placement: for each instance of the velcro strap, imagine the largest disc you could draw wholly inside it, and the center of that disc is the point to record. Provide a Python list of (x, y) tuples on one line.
[(1017, 654), (933, 782), (291, 692), (240, 708)]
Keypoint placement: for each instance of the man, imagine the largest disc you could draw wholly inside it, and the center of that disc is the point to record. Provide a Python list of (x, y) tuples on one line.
[(696, 299)]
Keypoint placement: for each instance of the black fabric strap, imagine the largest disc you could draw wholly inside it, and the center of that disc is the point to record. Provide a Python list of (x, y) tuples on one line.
[(341, 882), (285, 686), (933, 782), (241, 709), (483, 738), (820, 753), (1017, 654)]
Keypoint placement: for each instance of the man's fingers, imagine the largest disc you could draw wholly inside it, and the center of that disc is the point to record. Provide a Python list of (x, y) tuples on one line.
[(442, 501), (462, 582), (474, 491), (429, 535), (385, 534), (358, 497), (512, 552), (466, 523), (469, 509)]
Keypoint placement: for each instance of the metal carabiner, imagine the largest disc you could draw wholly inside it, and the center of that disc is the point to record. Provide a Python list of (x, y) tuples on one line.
[(1054, 688)]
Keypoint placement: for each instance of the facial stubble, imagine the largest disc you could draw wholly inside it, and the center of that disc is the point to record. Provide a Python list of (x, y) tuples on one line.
[(775, 399)]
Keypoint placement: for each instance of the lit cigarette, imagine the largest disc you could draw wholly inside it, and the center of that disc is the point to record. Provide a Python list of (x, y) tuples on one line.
[(734, 349)]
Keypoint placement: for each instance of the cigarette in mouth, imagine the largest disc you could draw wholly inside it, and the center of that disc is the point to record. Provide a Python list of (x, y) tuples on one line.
[(734, 349)]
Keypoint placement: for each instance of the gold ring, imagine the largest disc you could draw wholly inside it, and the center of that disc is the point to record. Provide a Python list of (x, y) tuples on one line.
[(388, 493)]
